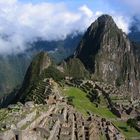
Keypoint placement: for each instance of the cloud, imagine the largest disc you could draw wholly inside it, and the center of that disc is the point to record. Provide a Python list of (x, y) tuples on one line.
[(24, 23), (86, 10), (123, 22)]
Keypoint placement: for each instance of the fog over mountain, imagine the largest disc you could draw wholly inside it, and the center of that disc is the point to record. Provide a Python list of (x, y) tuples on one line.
[(69, 69), (55, 26), (23, 23)]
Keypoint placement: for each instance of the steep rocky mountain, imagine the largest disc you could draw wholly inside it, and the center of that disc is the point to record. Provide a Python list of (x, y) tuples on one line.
[(73, 67), (42, 67), (109, 55), (104, 54), (79, 98), (40, 62), (13, 67)]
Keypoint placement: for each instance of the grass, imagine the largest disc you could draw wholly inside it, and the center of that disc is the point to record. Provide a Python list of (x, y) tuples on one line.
[(83, 104), (130, 133), (102, 137), (3, 114), (103, 101)]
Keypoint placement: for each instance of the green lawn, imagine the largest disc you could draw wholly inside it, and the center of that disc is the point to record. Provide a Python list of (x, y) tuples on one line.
[(83, 104), (130, 133)]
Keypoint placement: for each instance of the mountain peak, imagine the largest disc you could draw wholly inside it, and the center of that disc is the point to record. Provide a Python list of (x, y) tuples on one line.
[(101, 34), (108, 54), (104, 22), (105, 18)]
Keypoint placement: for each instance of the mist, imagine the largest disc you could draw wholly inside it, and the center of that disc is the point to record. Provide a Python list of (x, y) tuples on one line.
[(24, 23)]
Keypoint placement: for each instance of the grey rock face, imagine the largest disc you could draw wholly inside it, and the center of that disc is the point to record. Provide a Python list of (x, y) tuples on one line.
[(107, 53)]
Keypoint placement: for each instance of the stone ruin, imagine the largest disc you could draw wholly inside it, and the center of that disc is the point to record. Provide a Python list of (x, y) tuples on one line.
[(63, 123), (121, 105), (55, 120)]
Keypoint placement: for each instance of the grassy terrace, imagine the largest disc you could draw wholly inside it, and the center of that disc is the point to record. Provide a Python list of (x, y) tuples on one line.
[(130, 133), (83, 104)]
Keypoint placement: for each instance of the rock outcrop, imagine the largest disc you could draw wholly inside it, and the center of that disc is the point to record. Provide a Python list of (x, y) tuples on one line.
[(56, 120), (104, 54), (73, 67), (32, 78), (108, 54)]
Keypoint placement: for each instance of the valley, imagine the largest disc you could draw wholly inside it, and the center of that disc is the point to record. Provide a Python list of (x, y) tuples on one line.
[(66, 113), (91, 95)]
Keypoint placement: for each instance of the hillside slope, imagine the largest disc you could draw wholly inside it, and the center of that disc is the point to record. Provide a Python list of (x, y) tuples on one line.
[(13, 67), (108, 54)]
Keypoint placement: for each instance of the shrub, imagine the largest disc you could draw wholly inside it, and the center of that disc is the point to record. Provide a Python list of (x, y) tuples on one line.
[(52, 72)]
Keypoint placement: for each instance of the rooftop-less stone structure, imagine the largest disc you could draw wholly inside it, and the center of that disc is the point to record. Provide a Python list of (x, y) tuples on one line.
[(118, 101), (55, 120)]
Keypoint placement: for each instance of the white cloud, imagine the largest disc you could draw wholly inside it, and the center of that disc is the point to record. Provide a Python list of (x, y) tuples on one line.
[(8, 2), (122, 22), (86, 10), (22, 23)]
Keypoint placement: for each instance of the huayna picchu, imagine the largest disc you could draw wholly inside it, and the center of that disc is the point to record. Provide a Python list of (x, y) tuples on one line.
[(91, 95), (109, 55)]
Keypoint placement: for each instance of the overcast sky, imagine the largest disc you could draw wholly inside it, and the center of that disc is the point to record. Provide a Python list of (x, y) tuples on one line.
[(24, 21)]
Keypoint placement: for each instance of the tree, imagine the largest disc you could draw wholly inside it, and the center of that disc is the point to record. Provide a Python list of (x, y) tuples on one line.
[(132, 123), (70, 100)]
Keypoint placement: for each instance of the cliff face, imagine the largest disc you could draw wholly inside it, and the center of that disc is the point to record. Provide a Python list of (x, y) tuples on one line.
[(41, 62), (73, 67), (104, 51), (107, 53)]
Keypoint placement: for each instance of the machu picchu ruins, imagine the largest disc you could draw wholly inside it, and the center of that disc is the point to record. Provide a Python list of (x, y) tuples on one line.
[(49, 113), (55, 120)]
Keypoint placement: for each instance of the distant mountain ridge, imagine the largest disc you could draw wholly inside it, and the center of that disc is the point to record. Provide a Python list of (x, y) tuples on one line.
[(102, 32), (104, 54), (13, 67), (91, 94)]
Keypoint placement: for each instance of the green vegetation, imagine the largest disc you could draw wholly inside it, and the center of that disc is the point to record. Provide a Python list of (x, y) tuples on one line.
[(32, 79), (75, 68), (35, 69), (70, 100), (119, 81), (13, 67), (33, 86), (3, 114), (37, 94), (102, 137), (83, 104), (102, 101), (126, 130), (52, 72), (132, 123)]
